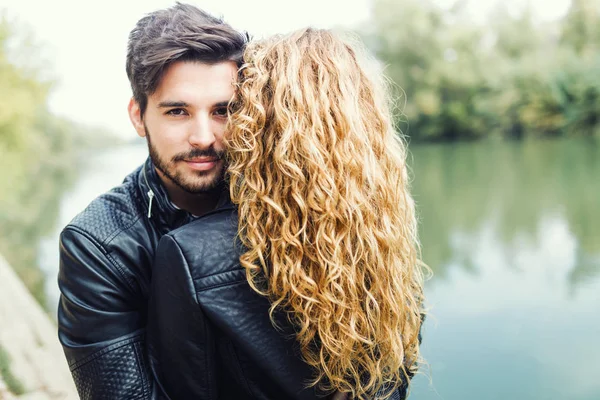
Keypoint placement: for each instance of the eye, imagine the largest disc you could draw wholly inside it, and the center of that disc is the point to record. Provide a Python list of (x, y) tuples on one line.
[(176, 112), (220, 112)]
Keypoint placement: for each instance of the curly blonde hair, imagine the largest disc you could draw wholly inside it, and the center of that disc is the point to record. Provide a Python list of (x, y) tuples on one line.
[(320, 178)]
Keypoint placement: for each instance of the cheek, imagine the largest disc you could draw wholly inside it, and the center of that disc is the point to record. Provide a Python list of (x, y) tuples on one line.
[(219, 132), (170, 136)]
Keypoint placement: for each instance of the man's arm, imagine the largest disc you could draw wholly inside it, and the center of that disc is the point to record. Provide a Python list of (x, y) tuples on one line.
[(101, 325)]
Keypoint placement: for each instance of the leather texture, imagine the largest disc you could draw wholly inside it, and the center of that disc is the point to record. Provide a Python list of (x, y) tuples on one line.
[(106, 256), (204, 317), (123, 374)]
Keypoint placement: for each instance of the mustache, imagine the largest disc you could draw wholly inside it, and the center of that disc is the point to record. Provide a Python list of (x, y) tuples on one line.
[(195, 153)]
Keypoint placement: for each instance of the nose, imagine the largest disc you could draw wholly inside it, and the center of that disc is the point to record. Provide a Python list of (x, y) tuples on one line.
[(201, 133)]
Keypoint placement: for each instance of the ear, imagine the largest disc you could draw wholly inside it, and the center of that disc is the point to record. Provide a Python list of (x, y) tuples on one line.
[(135, 115)]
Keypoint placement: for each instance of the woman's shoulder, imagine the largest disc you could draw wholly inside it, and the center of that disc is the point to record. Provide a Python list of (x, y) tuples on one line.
[(209, 244), (222, 221)]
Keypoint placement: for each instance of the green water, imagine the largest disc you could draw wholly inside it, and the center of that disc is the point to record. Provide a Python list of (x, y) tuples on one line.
[(512, 233)]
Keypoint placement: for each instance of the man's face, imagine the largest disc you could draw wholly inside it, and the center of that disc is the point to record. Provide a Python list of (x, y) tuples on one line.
[(184, 123)]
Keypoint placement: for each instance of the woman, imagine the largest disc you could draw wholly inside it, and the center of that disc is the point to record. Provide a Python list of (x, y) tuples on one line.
[(311, 286)]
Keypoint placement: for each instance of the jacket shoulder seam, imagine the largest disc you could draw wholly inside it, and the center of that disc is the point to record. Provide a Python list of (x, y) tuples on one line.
[(104, 251), (117, 231)]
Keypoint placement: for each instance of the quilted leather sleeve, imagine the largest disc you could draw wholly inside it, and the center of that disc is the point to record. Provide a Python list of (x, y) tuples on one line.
[(100, 324), (118, 372)]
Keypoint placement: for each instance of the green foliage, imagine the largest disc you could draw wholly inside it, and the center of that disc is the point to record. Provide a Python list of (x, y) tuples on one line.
[(37, 157), (580, 29), (13, 384), (510, 78)]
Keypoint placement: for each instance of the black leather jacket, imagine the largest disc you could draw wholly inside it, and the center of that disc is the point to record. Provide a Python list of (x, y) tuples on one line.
[(209, 334), (106, 254)]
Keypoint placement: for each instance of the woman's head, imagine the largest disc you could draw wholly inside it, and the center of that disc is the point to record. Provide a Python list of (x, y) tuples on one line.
[(320, 178)]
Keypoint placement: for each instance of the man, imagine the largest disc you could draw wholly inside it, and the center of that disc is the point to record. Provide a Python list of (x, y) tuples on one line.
[(181, 63)]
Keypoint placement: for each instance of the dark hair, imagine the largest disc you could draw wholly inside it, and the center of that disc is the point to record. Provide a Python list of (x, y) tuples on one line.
[(180, 33)]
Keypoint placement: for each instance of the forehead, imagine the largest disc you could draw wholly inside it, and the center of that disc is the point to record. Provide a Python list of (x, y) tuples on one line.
[(197, 83)]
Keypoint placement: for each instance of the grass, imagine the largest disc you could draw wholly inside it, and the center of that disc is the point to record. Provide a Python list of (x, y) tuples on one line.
[(13, 384)]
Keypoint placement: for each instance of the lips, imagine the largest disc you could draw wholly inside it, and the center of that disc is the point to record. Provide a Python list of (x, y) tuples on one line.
[(202, 164), (202, 159)]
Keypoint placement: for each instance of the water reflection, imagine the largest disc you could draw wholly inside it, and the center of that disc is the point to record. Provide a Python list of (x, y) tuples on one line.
[(518, 185), (511, 233)]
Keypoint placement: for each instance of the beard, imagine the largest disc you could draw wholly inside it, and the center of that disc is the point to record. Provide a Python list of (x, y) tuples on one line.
[(193, 182)]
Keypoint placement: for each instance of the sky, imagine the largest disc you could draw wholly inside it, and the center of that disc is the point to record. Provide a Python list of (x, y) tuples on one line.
[(83, 43)]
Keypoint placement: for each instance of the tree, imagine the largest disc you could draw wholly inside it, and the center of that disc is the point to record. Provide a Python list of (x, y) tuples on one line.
[(580, 27)]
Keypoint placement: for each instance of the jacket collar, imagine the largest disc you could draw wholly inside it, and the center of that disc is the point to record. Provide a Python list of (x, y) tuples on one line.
[(159, 207)]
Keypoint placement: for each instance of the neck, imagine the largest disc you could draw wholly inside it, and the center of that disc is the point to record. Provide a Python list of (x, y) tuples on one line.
[(194, 203)]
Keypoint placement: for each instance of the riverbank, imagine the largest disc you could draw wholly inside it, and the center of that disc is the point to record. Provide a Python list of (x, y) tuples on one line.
[(29, 338)]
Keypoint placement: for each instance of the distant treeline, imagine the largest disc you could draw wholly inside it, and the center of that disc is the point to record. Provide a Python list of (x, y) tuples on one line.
[(510, 77), (38, 154)]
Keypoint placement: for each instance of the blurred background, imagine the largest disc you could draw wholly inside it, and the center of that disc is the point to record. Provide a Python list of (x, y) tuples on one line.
[(500, 99)]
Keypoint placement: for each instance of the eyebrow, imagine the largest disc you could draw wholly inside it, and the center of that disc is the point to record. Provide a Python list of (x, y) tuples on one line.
[(171, 104), (222, 104)]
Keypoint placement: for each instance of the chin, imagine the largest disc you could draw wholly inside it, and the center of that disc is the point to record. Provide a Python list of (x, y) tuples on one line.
[(205, 184), (195, 182)]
